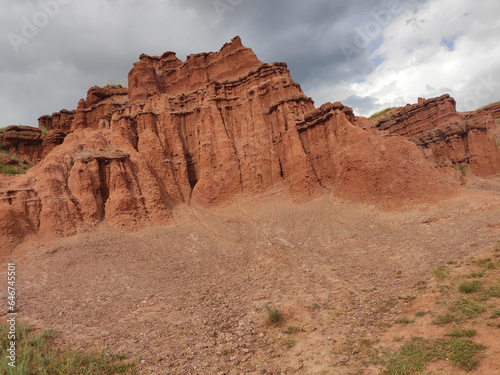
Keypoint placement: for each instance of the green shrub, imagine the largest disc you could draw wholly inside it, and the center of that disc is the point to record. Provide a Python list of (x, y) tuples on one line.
[(470, 287), (274, 316), (292, 330), (114, 85), (441, 272), (404, 321), (460, 168)]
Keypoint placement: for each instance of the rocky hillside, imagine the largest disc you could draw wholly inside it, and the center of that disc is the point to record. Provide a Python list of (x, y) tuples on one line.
[(223, 125), (445, 136)]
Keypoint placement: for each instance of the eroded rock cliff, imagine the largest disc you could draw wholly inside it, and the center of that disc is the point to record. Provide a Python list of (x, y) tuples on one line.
[(446, 136), (207, 130)]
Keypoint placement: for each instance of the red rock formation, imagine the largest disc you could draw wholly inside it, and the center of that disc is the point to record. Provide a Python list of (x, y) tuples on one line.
[(24, 141), (445, 136), (58, 121), (29, 143), (206, 130), (51, 140)]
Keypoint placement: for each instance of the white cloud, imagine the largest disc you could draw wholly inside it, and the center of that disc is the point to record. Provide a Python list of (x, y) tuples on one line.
[(416, 63)]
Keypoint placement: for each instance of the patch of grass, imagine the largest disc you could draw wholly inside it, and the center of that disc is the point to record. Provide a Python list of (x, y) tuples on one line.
[(472, 287), (487, 105), (15, 166), (10, 169), (399, 273), (495, 314), (442, 320), (486, 263), (421, 284), (441, 272), (461, 168), (274, 316), (393, 301), (420, 313), (290, 342), (404, 321), (315, 306), (37, 354), (407, 299), (475, 275), (462, 352), (414, 356), (462, 332), (382, 112), (491, 292), (114, 85), (467, 308), (462, 310), (293, 330)]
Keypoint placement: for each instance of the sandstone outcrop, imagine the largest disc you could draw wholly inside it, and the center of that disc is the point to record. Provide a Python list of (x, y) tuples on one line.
[(57, 121), (29, 143), (24, 141), (212, 128), (446, 136)]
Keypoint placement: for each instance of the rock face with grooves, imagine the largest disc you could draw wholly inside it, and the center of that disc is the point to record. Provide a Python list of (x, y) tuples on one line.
[(446, 136), (207, 130)]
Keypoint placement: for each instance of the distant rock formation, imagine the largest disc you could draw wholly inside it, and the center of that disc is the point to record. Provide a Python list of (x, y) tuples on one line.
[(24, 141), (445, 136), (29, 143), (207, 130)]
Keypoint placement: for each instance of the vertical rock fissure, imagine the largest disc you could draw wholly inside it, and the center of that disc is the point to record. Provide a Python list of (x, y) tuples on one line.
[(103, 186), (233, 146)]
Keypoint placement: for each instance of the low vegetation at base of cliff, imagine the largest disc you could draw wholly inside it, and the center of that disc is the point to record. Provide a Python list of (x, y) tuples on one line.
[(37, 353), (12, 164)]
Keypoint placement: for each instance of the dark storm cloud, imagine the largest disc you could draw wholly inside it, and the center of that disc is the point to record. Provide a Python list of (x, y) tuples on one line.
[(83, 44), (326, 43)]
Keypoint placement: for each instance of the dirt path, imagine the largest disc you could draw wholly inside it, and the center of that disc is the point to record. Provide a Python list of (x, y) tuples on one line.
[(192, 297)]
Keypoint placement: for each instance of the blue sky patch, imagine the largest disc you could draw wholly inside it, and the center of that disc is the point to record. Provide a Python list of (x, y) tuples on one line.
[(377, 60), (448, 42)]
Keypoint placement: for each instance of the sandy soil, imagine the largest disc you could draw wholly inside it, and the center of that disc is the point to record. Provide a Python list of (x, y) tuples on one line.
[(191, 298)]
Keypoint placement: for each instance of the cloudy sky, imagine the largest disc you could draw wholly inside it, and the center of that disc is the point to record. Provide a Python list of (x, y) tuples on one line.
[(369, 54)]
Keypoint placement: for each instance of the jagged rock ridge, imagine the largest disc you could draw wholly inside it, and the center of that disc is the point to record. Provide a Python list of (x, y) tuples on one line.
[(445, 136), (206, 130)]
